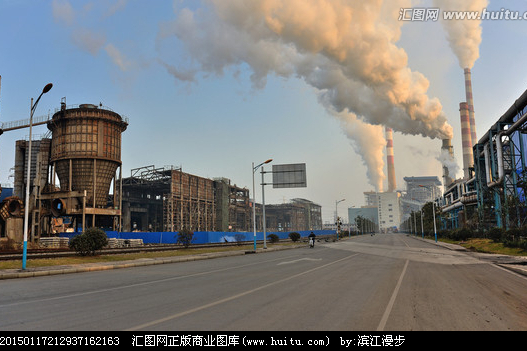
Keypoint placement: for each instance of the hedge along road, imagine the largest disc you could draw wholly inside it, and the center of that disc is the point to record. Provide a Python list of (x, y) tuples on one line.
[(381, 282)]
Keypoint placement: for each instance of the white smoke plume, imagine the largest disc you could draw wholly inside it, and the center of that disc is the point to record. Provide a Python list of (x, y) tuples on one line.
[(449, 162), (368, 141), (345, 49), (464, 36)]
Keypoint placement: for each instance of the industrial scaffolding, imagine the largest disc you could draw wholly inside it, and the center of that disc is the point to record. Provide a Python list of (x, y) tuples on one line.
[(189, 204)]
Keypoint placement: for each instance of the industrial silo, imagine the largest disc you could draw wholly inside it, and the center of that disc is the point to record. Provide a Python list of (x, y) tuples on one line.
[(85, 154)]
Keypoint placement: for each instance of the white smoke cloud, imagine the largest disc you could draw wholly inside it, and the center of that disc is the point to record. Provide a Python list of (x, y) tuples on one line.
[(86, 39), (345, 49), (63, 12), (464, 36), (117, 57), (368, 141), (448, 161)]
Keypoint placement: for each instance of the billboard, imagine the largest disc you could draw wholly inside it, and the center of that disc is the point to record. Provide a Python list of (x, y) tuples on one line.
[(289, 176)]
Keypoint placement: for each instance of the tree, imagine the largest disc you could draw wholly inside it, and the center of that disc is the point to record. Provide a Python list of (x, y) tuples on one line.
[(185, 237), (294, 236), (87, 243)]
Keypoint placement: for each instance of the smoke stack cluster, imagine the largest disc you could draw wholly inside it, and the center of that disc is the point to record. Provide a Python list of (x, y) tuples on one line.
[(466, 139), (470, 103), (390, 159)]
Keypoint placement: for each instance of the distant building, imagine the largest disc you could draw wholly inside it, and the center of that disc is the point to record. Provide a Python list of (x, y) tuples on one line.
[(297, 215), (366, 212), (422, 189), (370, 198), (389, 210), (167, 199), (419, 191)]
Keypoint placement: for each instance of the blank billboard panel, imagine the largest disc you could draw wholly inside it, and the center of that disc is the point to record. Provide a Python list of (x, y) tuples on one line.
[(289, 176)]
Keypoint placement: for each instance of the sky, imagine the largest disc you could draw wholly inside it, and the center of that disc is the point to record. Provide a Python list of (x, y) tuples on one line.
[(213, 86)]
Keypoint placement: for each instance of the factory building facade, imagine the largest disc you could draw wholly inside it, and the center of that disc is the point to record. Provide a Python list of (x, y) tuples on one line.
[(168, 199), (492, 191)]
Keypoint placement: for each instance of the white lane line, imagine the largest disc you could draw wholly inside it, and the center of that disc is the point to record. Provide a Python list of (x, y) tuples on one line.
[(388, 310), (150, 282), (233, 297), (300, 259)]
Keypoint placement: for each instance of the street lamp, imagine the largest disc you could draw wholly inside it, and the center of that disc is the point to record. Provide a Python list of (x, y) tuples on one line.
[(28, 180), (422, 229), (254, 201), (433, 212), (337, 217)]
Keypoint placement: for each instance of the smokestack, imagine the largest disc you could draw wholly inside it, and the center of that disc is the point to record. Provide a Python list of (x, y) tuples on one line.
[(448, 150), (389, 159), (466, 139), (470, 103)]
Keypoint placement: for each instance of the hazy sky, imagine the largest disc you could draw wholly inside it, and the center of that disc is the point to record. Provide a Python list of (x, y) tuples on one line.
[(213, 86)]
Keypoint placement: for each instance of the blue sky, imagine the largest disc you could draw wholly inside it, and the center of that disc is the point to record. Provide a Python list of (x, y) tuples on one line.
[(213, 121)]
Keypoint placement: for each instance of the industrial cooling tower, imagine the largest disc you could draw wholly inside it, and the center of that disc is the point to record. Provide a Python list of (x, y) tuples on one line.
[(86, 150)]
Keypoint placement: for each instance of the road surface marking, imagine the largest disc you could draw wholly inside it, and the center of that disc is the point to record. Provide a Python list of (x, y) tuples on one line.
[(300, 259), (233, 297), (392, 300)]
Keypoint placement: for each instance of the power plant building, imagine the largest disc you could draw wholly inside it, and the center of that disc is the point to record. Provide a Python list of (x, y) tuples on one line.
[(389, 210), (71, 173), (168, 199)]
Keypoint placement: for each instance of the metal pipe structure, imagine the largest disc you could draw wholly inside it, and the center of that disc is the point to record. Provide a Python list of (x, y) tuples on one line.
[(470, 104), (499, 152), (466, 139), (390, 159)]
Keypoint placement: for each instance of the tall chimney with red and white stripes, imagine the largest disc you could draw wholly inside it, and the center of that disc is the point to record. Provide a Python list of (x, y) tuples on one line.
[(466, 139), (389, 159), (470, 103)]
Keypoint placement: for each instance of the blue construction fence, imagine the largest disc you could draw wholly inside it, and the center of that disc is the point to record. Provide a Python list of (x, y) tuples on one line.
[(200, 237)]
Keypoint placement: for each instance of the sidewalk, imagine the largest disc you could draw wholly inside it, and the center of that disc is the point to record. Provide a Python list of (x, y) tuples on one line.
[(516, 264)]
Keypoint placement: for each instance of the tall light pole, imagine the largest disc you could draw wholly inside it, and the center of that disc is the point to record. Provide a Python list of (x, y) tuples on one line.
[(28, 180), (254, 201), (415, 225), (422, 229), (337, 217), (433, 212)]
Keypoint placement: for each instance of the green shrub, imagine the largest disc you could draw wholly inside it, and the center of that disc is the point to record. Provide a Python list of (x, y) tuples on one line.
[(87, 243), (273, 238), (185, 237), (461, 234), (294, 236), (496, 234)]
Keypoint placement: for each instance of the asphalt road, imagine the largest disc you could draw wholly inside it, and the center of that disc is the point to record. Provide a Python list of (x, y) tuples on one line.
[(371, 283)]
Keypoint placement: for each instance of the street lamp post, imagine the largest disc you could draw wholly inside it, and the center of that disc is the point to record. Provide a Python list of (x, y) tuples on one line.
[(337, 217), (433, 213), (254, 201), (28, 180), (415, 225), (422, 230)]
